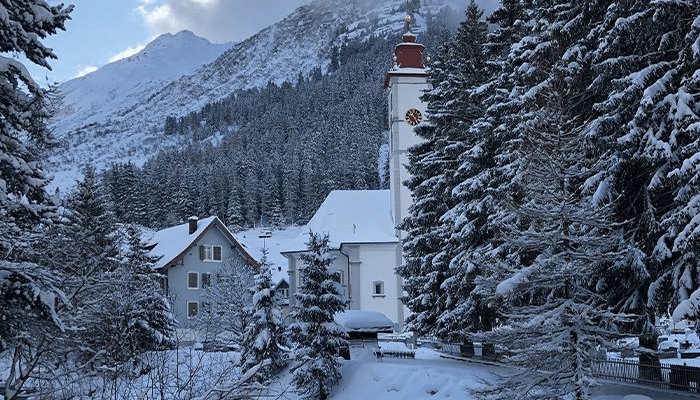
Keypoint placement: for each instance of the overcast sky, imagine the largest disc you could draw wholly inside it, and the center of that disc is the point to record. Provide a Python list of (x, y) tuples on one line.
[(102, 31)]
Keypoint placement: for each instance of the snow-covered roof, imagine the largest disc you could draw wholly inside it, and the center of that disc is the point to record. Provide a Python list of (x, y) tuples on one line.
[(364, 321), (172, 243), (350, 217), (277, 242)]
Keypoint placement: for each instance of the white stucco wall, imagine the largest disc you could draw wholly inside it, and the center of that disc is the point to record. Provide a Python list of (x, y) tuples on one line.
[(404, 94), (368, 263), (378, 262), (340, 264)]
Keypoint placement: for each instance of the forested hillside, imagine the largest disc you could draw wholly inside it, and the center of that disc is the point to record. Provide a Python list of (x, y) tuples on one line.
[(273, 152)]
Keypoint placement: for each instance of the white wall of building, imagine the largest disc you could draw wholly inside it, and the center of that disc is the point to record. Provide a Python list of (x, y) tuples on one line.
[(404, 94), (378, 262)]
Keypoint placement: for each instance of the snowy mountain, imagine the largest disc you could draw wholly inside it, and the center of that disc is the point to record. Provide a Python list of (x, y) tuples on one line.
[(87, 105), (117, 113)]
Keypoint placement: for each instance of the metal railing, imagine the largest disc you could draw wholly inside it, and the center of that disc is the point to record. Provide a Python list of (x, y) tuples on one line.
[(661, 375)]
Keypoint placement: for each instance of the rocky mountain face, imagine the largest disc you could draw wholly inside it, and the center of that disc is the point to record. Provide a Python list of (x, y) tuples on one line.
[(117, 113)]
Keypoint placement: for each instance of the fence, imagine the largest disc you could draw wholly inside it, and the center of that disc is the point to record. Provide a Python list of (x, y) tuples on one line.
[(661, 375), (664, 376)]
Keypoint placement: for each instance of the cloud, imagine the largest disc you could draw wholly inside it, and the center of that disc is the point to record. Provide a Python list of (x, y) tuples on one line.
[(217, 20), (86, 70), (127, 53)]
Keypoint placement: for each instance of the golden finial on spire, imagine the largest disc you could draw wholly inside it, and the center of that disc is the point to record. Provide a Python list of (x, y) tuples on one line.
[(408, 22)]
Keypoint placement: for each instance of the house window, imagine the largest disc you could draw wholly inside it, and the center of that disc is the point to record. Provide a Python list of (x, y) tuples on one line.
[(339, 276), (378, 289), (192, 280), (163, 283), (206, 279), (209, 252), (283, 292), (192, 309)]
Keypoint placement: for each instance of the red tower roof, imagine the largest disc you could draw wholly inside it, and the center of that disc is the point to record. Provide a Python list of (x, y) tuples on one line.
[(408, 57), (409, 54)]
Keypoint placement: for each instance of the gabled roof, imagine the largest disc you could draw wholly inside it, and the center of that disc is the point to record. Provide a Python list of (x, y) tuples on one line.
[(172, 244), (350, 217)]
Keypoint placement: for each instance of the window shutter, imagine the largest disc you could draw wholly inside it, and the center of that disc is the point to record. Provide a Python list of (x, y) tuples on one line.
[(217, 253), (206, 279), (201, 253)]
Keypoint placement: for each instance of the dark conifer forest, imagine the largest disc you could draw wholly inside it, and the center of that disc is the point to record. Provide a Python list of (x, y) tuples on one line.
[(273, 152)]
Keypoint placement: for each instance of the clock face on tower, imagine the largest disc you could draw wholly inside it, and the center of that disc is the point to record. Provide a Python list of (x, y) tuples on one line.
[(413, 117)]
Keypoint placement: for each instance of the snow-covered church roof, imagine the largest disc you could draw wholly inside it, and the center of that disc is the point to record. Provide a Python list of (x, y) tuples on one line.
[(350, 217)]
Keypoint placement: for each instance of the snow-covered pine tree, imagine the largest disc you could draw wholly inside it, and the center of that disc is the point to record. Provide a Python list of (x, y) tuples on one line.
[(664, 135), (316, 336), (122, 184), (123, 313), (485, 183), (235, 220), (555, 320), (644, 68), (88, 255), (90, 231), (457, 70), (149, 321), (264, 339), (29, 293), (22, 106)]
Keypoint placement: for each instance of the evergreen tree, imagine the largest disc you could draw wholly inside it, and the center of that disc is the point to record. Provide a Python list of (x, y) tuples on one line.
[(90, 231), (317, 337), (264, 335), (438, 290), (30, 295), (644, 68), (148, 318), (564, 243), (234, 213), (22, 106), (90, 260)]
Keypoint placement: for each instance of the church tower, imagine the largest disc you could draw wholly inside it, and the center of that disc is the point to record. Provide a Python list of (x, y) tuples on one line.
[(405, 82)]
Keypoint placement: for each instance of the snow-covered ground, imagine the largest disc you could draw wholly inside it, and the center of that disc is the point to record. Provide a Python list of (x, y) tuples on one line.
[(429, 376)]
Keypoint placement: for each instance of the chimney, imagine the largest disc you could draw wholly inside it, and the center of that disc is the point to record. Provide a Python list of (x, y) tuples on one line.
[(193, 224)]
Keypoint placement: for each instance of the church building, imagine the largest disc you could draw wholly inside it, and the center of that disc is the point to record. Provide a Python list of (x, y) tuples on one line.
[(361, 224)]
